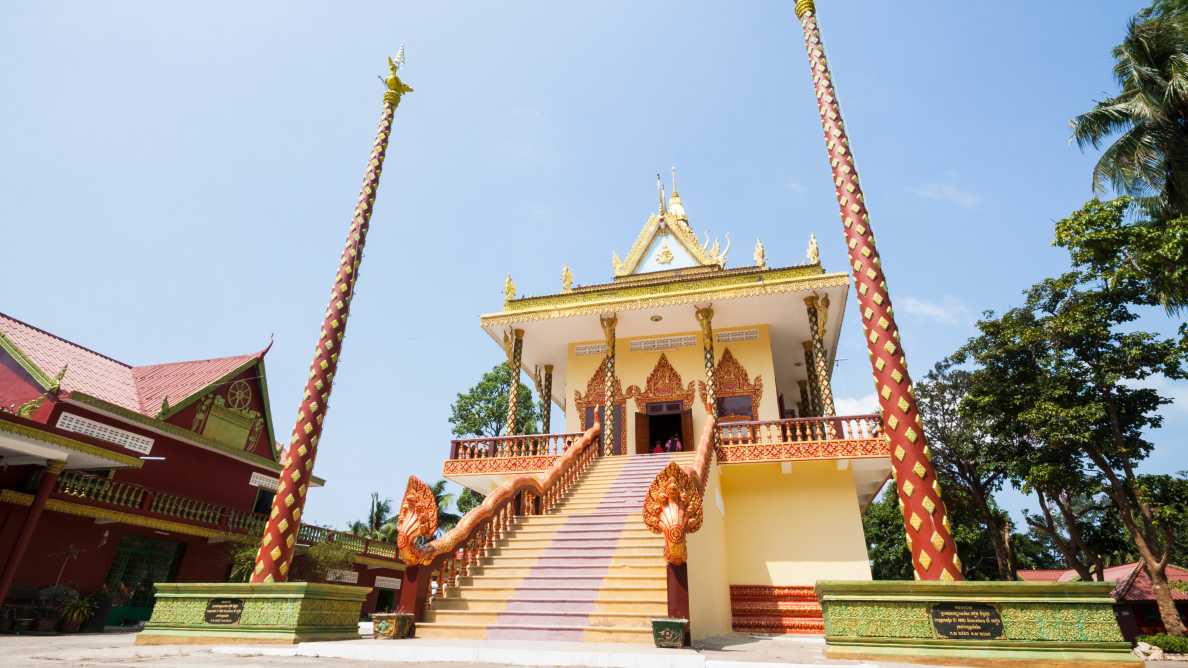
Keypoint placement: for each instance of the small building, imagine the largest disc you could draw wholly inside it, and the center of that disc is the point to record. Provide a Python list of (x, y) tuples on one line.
[(1135, 608), (784, 501), (114, 477)]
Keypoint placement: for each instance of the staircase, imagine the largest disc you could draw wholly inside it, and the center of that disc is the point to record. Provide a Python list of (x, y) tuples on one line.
[(775, 610), (588, 571)]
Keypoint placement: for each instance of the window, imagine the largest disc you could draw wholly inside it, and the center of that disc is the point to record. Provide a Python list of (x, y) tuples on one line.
[(735, 407), (263, 503)]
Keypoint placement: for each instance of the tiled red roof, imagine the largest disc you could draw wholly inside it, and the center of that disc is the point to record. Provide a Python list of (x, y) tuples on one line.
[(1133, 583), (139, 388)]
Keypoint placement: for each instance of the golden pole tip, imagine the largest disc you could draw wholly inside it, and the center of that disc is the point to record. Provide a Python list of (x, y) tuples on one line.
[(804, 7)]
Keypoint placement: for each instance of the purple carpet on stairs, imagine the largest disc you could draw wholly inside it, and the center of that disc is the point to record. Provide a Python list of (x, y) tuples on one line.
[(559, 593)]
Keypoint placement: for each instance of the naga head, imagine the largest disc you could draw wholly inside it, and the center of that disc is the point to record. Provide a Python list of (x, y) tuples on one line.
[(416, 523), (673, 508)]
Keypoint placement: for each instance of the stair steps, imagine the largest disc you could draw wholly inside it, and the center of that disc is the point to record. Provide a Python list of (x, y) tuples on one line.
[(775, 610)]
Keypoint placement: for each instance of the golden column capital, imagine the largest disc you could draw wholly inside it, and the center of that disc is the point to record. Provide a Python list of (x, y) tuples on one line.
[(805, 7), (705, 316), (55, 466), (608, 323)]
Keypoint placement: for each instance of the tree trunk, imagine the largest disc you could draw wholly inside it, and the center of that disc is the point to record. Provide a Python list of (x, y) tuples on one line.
[(1069, 549), (993, 527)]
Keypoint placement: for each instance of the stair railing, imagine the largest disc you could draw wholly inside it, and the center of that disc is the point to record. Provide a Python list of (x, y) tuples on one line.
[(673, 507), (433, 565)]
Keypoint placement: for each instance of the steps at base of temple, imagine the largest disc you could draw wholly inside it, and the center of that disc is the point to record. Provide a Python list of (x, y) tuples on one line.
[(775, 610), (588, 571)]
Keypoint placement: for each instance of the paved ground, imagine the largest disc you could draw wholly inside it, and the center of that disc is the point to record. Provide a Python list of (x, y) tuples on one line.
[(117, 649)]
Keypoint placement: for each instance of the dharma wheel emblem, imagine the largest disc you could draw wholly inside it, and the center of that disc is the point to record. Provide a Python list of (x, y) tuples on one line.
[(239, 395)]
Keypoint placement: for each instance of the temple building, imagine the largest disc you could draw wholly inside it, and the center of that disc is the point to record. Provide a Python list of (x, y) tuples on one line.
[(676, 337), (116, 477)]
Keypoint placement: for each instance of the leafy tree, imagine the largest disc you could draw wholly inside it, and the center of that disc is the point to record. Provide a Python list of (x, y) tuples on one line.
[(446, 520), (468, 500), (482, 410), (1148, 116), (1146, 257), (1059, 382), (380, 524), (965, 455)]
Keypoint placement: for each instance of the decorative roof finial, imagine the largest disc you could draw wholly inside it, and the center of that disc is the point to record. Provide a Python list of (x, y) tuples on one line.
[(566, 279), (396, 87), (660, 194), (509, 289), (803, 7), (676, 208), (814, 251), (760, 255)]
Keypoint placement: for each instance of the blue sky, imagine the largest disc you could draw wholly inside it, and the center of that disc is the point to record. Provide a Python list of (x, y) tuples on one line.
[(176, 179)]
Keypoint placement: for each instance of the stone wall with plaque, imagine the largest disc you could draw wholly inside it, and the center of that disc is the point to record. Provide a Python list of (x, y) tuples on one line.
[(987, 621)]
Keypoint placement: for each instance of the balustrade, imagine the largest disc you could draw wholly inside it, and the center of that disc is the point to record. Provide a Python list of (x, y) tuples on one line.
[(104, 490), (524, 445), (799, 430)]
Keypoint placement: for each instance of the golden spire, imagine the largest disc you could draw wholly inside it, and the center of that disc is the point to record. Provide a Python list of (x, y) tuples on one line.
[(660, 194), (566, 279), (814, 251), (760, 255), (509, 289), (676, 208)]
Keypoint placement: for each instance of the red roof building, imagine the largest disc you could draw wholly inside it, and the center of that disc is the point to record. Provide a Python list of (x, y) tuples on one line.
[(1135, 608), (114, 477)]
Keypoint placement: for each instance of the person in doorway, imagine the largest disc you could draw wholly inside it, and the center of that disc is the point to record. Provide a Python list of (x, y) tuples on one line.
[(675, 444), (657, 449)]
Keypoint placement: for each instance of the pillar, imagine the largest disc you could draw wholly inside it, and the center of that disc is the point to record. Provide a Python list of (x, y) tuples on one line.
[(513, 392), (816, 317), (49, 478), (814, 385), (803, 406), (546, 399), (705, 317), (278, 542), (608, 403), (934, 552)]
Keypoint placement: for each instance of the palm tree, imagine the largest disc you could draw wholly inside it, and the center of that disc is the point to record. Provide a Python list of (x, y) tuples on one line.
[(1149, 116), (378, 518), (446, 520)]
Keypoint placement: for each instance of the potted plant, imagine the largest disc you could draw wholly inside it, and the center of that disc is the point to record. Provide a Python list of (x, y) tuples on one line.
[(51, 602), (75, 613), (670, 632)]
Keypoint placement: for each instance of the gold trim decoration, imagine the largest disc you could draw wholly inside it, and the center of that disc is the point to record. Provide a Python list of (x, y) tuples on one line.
[(861, 448), (680, 230), (803, 7), (494, 465), (731, 380), (635, 297), (35, 434), (81, 510), (664, 384), (595, 394), (25, 362)]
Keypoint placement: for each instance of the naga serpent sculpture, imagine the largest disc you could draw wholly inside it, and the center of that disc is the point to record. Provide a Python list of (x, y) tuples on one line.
[(417, 522), (673, 505)]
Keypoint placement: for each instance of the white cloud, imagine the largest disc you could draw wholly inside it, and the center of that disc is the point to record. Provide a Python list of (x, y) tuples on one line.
[(949, 310), (856, 405), (948, 192)]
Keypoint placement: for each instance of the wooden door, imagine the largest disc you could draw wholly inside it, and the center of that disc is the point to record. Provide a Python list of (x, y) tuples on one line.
[(687, 429), (641, 434)]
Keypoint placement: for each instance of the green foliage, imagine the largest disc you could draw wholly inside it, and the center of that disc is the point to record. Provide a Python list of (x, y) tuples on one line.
[(482, 410), (313, 563), (1148, 116), (1168, 643), (78, 610), (886, 545), (1148, 259), (243, 559), (380, 523), (446, 520), (57, 597), (468, 500)]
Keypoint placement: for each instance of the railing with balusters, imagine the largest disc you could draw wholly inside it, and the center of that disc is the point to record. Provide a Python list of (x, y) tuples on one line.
[(526, 445), (453, 555), (800, 430), (76, 486)]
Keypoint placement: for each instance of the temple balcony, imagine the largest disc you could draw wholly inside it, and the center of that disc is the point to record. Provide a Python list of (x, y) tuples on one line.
[(111, 501), (855, 442), (483, 464)]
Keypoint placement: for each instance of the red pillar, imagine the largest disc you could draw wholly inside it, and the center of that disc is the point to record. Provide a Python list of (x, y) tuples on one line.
[(48, 479), (934, 553)]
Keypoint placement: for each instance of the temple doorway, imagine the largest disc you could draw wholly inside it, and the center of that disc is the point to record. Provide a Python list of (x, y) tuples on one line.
[(661, 423)]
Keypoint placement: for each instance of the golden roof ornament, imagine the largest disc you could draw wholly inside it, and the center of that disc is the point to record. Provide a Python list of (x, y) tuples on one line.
[(760, 255), (617, 263), (814, 251), (660, 194), (665, 255), (566, 279), (396, 87), (676, 208), (509, 289)]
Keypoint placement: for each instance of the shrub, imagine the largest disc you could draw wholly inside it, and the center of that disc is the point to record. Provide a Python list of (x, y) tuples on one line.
[(313, 563), (57, 597), (243, 559), (1168, 643)]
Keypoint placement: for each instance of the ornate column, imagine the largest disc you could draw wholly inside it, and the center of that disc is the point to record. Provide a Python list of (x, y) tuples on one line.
[(816, 317), (544, 389), (804, 405), (514, 356), (280, 535), (814, 385), (608, 403), (49, 478), (934, 553), (705, 317)]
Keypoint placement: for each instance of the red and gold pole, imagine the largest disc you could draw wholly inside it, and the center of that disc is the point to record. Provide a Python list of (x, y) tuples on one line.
[(280, 535), (934, 554)]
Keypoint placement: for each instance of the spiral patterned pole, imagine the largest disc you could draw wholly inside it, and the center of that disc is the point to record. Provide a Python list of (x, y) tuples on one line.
[(275, 554), (930, 538), (608, 323), (515, 357)]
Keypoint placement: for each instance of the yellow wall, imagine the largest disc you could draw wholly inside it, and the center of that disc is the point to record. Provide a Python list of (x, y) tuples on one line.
[(709, 590), (792, 528), (632, 368)]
